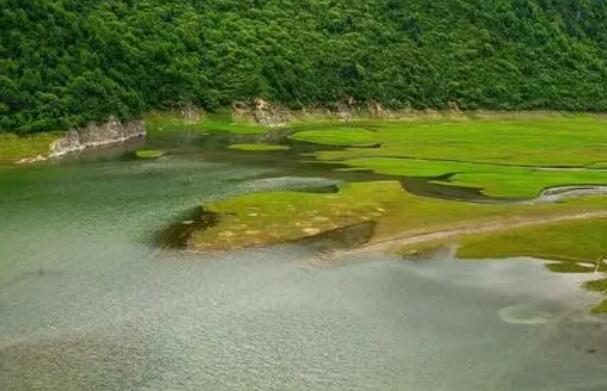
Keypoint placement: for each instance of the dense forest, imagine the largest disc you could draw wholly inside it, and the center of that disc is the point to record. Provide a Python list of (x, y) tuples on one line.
[(66, 62)]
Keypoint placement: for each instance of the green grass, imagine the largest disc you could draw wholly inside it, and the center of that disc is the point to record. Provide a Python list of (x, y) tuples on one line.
[(221, 122), (599, 286), (275, 217), (578, 246), (573, 241), (579, 141), (268, 218), (494, 180), (14, 148), (571, 267), (149, 153), (165, 122), (581, 246), (259, 147), (280, 216), (515, 158), (601, 308), (338, 137)]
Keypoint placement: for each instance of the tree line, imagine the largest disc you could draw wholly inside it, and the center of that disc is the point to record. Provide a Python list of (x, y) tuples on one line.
[(67, 62)]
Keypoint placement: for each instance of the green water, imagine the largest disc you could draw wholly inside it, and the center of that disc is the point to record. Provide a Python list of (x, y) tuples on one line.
[(88, 301)]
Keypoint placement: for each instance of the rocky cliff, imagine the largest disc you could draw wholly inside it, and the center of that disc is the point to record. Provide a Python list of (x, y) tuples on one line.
[(95, 135)]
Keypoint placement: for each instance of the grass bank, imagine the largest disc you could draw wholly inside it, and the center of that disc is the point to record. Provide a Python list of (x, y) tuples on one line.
[(15, 148), (405, 223), (515, 158)]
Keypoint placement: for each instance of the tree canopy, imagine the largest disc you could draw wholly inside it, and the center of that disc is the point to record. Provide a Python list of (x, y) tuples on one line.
[(66, 62)]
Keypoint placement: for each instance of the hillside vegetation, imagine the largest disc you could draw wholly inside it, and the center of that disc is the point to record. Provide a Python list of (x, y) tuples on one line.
[(67, 62)]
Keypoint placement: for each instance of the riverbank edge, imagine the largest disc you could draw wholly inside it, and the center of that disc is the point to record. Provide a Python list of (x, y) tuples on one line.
[(270, 115), (93, 135)]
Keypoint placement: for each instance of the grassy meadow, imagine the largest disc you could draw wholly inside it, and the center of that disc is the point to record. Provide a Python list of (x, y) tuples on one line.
[(14, 148)]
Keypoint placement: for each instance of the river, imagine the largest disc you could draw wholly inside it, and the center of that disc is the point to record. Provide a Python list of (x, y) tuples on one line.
[(89, 301)]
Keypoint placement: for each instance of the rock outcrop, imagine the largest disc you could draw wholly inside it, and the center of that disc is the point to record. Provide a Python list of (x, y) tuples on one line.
[(31, 159), (95, 135), (350, 109), (268, 114), (376, 109), (262, 112), (190, 114)]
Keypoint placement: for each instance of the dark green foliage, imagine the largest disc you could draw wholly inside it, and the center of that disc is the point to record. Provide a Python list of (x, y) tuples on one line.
[(66, 62)]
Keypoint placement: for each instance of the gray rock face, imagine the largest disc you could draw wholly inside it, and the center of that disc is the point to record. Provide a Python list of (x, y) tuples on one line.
[(268, 114), (262, 112), (190, 114), (95, 135)]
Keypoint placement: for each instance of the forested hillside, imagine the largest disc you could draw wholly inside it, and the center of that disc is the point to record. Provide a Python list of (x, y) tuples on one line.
[(66, 62)]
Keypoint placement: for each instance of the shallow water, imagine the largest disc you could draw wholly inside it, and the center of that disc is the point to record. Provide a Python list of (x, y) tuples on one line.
[(89, 302)]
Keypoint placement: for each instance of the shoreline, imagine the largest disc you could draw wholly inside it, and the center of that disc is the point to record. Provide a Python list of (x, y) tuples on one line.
[(416, 238), (263, 114)]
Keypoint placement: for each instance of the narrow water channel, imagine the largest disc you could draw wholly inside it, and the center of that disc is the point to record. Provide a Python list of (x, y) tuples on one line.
[(89, 301)]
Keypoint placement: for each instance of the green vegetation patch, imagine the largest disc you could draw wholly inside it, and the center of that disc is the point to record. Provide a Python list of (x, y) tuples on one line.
[(222, 121), (515, 158), (572, 241), (150, 153), (259, 147), (337, 137), (571, 267), (581, 246), (550, 141), (403, 54), (14, 148), (163, 122), (575, 245), (601, 308), (599, 286), (578, 246), (494, 180), (266, 218), (275, 217)]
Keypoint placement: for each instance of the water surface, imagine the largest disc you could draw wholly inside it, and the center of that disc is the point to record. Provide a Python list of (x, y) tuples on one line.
[(88, 301)]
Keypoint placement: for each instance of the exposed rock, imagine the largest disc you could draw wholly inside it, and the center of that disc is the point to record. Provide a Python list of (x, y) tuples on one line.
[(376, 109), (69, 143), (268, 114), (432, 114), (33, 159), (95, 135), (453, 106), (190, 114), (261, 112), (344, 109), (349, 109)]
